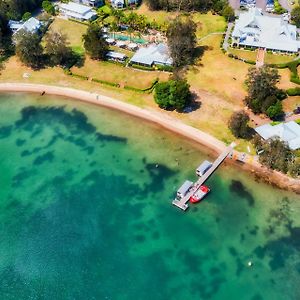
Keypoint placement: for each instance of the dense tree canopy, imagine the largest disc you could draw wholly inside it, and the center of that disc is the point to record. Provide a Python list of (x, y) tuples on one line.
[(181, 36), (94, 42), (238, 124), (16, 8), (173, 94), (276, 155), (295, 15), (29, 49), (220, 6), (48, 7), (263, 95), (57, 48), (187, 5)]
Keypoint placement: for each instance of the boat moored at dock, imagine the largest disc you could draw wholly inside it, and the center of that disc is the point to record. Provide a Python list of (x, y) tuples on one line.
[(203, 168), (200, 194), (183, 190)]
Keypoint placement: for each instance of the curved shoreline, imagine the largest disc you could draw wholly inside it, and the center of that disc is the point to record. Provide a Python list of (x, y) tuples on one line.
[(273, 177)]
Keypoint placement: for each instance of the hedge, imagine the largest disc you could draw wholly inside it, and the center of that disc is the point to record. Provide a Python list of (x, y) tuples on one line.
[(105, 82), (144, 68), (79, 76), (293, 91), (149, 89), (164, 68)]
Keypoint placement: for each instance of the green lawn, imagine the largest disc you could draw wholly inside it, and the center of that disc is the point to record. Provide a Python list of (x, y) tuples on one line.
[(270, 58), (206, 23), (74, 32), (115, 73)]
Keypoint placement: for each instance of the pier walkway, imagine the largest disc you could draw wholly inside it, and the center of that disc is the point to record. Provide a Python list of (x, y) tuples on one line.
[(182, 203)]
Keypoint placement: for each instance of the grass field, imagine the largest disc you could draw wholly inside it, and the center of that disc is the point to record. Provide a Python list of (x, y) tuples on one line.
[(206, 23), (269, 57), (118, 74), (74, 32)]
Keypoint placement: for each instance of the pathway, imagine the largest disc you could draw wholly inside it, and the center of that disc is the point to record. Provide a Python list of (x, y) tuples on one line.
[(227, 35), (210, 34)]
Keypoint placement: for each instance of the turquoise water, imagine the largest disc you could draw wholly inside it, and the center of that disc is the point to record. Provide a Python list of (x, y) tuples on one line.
[(85, 214), (122, 37)]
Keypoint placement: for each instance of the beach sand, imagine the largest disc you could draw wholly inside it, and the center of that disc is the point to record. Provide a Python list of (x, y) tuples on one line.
[(260, 172)]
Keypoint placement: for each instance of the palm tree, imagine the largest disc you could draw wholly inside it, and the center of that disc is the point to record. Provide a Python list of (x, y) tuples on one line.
[(113, 28)]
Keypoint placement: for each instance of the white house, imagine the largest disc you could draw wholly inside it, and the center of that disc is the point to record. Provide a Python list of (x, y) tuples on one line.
[(32, 25), (117, 3), (255, 30), (93, 3), (153, 55), (287, 132), (77, 11)]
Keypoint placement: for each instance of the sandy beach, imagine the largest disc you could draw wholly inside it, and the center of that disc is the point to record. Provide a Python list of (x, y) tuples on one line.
[(273, 177)]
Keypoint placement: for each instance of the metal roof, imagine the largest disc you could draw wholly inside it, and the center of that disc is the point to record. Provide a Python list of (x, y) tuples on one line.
[(287, 132), (153, 54), (255, 29)]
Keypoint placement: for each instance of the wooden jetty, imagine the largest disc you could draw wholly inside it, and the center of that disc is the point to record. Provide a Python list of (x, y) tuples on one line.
[(182, 203)]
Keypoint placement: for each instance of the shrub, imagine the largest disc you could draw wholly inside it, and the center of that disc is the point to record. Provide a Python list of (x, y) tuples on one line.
[(238, 124), (172, 94), (293, 91)]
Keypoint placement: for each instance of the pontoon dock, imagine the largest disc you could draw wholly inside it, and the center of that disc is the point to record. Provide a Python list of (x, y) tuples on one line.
[(182, 203)]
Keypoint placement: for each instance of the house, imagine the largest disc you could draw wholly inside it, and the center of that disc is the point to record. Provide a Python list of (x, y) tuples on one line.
[(92, 3), (287, 132), (117, 3), (152, 55), (116, 56), (133, 2), (253, 29), (32, 25), (77, 11)]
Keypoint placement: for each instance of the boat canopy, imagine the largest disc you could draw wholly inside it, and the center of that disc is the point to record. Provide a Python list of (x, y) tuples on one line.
[(202, 169), (184, 188)]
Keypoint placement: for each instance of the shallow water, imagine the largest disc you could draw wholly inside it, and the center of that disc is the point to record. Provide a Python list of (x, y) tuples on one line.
[(85, 213)]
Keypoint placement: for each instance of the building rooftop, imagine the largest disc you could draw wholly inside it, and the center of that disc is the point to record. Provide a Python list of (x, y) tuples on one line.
[(75, 7), (30, 25), (287, 132), (152, 54), (254, 29)]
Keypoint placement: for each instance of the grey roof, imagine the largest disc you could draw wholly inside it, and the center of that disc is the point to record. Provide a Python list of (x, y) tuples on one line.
[(153, 54), (31, 25), (185, 187), (287, 132), (204, 167), (77, 11), (254, 29), (116, 55)]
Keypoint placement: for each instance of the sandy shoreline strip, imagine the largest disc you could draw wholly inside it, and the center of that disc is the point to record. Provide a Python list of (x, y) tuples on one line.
[(167, 122)]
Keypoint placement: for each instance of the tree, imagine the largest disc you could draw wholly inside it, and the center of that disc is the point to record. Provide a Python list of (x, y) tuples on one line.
[(181, 36), (275, 111), (94, 42), (262, 90), (275, 155), (26, 16), (29, 49), (238, 124), (295, 15), (173, 94), (48, 7), (228, 12), (57, 48)]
